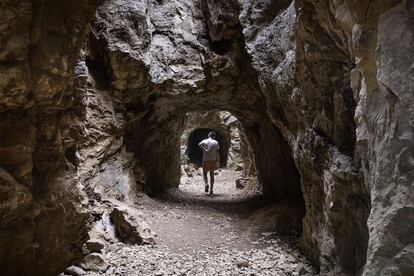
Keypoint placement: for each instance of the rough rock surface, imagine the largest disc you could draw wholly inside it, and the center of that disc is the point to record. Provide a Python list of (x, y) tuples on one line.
[(238, 151), (95, 262), (130, 228), (174, 69), (323, 91), (75, 271), (38, 50), (329, 72), (210, 235)]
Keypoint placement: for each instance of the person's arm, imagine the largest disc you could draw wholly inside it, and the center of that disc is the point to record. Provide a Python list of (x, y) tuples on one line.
[(202, 146)]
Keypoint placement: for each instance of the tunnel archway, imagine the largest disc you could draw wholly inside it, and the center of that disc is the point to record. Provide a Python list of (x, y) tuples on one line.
[(195, 154)]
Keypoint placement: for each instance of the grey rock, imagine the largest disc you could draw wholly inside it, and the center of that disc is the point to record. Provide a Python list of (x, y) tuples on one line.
[(95, 245), (242, 263), (323, 92), (95, 262), (75, 271), (130, 227)]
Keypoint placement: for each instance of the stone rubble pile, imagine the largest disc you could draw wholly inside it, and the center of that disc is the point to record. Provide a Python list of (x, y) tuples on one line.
[(198, 235), (272, 259)]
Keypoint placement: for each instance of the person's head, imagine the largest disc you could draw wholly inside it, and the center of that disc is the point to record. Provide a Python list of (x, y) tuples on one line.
[(212, 134)]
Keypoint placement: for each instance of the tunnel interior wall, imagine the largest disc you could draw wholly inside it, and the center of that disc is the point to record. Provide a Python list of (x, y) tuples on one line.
[(239, 154), (156, 146), (331, 80), (41, 212), (277, 170)]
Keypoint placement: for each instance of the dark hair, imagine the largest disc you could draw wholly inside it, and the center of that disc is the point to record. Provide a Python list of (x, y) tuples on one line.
[(212, 134)]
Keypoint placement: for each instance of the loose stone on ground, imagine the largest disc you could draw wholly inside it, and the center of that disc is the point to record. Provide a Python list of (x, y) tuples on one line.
[(202, 235)]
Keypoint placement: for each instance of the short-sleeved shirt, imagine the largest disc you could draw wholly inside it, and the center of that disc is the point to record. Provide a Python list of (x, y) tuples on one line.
[(212, 147)]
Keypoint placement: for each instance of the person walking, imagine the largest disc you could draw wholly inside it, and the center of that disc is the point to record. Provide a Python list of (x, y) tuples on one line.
[(211, 159)]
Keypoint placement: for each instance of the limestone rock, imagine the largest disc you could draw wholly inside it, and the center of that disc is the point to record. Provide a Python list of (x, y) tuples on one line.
[(130, 227), (14, 197), (95, 245), (241, 183), (75, 271), (242, 263), (95, 262), (323, 92)]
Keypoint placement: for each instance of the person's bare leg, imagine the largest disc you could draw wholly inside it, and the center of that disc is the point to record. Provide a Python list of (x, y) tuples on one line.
[(205, 181), (211, 182)]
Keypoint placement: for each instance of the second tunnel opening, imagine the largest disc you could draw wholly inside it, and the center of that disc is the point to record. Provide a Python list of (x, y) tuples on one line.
[(195, 154)]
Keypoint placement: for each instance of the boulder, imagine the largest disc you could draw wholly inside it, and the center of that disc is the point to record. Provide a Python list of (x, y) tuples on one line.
[(95, 245), (130, 227), (95, 262)]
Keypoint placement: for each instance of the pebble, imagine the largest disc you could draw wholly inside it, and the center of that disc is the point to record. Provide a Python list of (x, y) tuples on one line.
[(266, 254), (242, 263), (75, 271)]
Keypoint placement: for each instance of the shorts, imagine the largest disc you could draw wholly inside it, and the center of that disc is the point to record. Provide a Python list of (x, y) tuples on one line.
[(209, 165)]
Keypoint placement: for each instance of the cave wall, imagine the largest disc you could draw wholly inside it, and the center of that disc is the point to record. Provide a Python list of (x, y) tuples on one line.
[(323, 90), (307, 90), (329, 76), (170, 58), (41, 212), (383, 81), (361, 33)]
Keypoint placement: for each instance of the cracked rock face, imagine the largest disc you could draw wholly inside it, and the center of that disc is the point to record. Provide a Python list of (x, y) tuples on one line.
[(236, 149), (187, 60), (41, 216), (323, 91)]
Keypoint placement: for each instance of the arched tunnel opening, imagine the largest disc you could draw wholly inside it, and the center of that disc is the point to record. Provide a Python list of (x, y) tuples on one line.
[(195, 154), (109, 132)]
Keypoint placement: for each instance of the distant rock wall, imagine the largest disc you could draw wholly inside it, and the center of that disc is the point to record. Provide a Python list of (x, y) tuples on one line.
[(170, 58), (240, 154)]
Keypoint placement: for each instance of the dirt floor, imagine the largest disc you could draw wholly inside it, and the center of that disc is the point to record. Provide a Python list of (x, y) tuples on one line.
[(198, 234)]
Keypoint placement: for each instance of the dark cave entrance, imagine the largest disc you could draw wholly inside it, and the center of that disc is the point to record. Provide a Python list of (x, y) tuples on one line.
[(195, 154)]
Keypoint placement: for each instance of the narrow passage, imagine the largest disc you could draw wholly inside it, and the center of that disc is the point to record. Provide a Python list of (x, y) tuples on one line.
[(202, 235)]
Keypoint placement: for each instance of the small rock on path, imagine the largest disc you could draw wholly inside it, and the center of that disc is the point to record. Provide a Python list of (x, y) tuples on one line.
[(202, 235)]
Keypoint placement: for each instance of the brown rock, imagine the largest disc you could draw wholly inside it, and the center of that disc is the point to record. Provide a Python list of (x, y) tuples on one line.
[(75, 271), (242, 263), (301, 269), (130, 227), (322, 91), (241, 183), (95, 262), (95, 245)]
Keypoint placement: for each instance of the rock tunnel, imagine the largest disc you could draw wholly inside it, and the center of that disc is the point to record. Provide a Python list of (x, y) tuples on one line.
[(93, 106), (195, 154)]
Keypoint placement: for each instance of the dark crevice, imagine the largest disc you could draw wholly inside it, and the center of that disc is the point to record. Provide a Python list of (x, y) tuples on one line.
[(96, 61), (99, 72), (222, 47), (72, 155)]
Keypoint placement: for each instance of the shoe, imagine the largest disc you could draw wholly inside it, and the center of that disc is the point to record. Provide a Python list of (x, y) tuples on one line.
[(211, 193), (206, 189)]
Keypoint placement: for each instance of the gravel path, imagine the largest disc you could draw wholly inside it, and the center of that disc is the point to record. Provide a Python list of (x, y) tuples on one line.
[(199, 234)]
